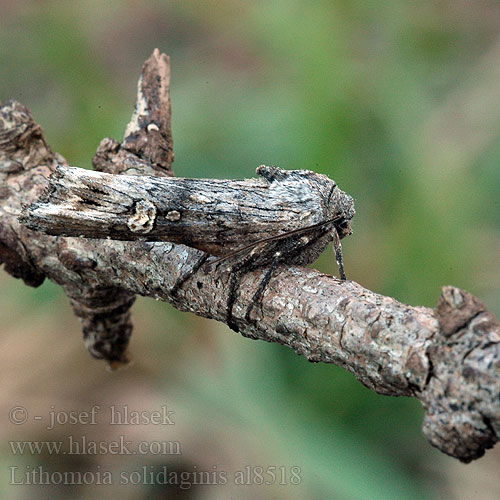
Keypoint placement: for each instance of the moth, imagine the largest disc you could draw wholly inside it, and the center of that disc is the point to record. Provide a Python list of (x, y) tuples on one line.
[(285, 216)]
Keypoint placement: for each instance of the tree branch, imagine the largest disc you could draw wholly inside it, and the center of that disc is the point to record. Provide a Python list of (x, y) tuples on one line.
[(448, 358)]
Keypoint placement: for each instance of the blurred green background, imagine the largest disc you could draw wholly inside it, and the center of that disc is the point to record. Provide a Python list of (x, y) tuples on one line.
[(398, 101)]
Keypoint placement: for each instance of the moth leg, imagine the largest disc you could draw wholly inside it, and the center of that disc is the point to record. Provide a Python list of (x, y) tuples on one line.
[(237, 271), (184, 277), (289, 249), (262, 285), (337, 249), (231, 298)]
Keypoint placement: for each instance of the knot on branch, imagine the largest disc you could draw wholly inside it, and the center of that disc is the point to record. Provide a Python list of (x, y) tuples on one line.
[(463, 394), (143, 220), (106, 324), (22, 144), (456, 308)]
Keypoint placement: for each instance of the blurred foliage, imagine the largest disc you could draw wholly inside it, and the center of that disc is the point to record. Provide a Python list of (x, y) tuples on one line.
[(397, 101)]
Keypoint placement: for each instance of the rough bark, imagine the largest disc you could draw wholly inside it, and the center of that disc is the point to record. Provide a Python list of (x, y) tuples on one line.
[(447, 357)]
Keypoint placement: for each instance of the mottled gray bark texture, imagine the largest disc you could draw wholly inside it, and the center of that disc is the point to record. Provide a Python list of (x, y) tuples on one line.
[(216, 216), (447, 357)]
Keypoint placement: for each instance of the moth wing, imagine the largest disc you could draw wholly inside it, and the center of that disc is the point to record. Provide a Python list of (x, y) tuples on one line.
[(263, 241)]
